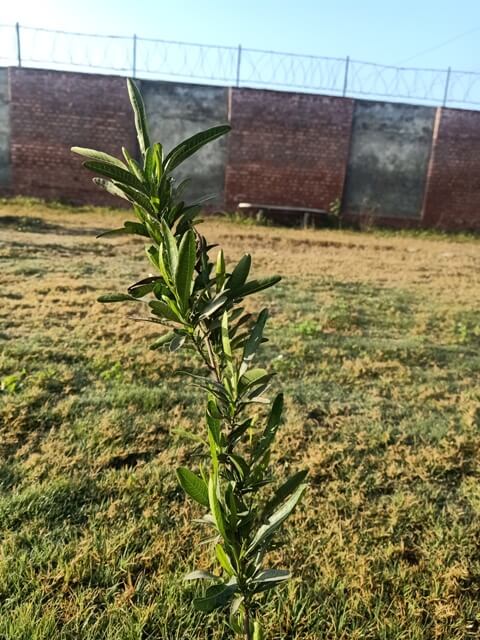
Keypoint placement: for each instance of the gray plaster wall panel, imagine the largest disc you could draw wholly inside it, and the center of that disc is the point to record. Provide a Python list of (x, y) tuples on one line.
[(176, 111), (5, 167), (388, 162)]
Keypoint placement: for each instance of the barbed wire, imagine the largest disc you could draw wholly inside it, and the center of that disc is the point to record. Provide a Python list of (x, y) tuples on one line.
[(168, 59)]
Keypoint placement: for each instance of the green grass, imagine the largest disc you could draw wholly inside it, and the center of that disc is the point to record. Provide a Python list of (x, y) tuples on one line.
[(376, 341)]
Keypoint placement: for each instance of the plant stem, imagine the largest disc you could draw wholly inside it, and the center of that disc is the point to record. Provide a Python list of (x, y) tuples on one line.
[(246, 624)]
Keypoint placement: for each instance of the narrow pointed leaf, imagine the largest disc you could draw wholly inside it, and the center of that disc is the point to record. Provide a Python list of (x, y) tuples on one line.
[(135, 196), (140, 116), (255, 338), (220, 270), (286, 489), (109, 186), (185, 267), (114, 173), (142, 287), (100, 156), (213, 306), (163, 310), (267, 530), (216, 508), (167, 337), (254, 286), (253, 377), (188, 147), (129, 228), (133, 165), (272, 575), (170, 250), (271, 428), (240, 274), (116, 297), (216, 597), (199, 574), (224, 559)]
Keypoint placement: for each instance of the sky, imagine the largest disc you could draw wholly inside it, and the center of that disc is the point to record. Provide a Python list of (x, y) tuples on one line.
[(419, 33)]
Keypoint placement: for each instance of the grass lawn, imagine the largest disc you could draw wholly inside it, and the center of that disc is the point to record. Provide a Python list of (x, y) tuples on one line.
[(376, 341)]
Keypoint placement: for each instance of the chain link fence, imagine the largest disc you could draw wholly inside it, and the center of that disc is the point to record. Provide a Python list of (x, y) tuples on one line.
[(238, 66)]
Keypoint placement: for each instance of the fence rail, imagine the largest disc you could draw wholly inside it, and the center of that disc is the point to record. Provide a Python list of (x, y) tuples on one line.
[(238, 66)]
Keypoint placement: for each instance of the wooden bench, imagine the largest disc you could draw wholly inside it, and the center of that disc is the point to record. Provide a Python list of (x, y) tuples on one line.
[(259, 209)]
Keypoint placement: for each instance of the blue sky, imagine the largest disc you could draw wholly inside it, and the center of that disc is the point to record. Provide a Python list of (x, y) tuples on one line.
[(384, 31)]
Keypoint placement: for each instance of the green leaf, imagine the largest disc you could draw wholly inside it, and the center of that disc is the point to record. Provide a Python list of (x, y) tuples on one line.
[(190, 146), (163, 310), (177, 342), (114, 173), (185, 268), (142, 287), (216, 597), (254, 286), (257, 631), (213, 306), (200, 574), (169, 250), (194, 486), (220, 270), (135, 196), (100, 156), (133, 165), (140, 115), (254, 340), (129, 228), (253, 377), (271, 428), (286, 489), (153, 255), (215, 507), (272, 575), (153, 163), (109, 186), (240, 274), (231, 379), (116, 297), (224, 560), (167, 337), (266, 531)]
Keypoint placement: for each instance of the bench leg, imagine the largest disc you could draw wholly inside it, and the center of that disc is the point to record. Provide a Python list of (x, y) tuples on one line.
[(306, 220)]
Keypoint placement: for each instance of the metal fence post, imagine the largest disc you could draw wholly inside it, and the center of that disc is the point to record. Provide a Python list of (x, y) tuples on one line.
[(345, 79), (447, 84), (134, 60), (19, 51), (239, 63)]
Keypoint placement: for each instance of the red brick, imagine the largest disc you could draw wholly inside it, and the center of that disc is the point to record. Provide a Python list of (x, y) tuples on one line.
[(52, 111), (452, 195), (288, 149)]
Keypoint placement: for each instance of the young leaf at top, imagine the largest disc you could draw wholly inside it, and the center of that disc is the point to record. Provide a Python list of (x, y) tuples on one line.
[(138, 106)]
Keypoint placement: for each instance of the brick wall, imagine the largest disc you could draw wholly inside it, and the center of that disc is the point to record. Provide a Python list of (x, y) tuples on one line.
[(52, 111), (452, 197), (287, 148), (284, 148)]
